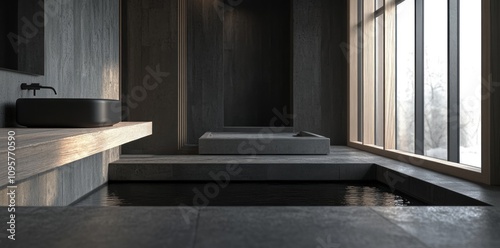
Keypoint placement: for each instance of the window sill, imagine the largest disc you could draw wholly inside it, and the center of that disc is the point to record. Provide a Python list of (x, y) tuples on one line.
[(442, 166)]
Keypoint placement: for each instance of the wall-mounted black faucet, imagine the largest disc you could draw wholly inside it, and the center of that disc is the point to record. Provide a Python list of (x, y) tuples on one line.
[(36, 87)]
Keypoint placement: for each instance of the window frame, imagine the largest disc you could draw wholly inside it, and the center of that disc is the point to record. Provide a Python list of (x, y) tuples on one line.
[(378, 89), (364, 139)]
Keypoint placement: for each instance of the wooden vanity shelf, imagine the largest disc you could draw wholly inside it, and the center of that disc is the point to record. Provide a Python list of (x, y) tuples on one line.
[(40, 150)]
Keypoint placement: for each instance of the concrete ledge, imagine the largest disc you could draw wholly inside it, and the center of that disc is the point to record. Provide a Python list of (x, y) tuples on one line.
[(246, 172)]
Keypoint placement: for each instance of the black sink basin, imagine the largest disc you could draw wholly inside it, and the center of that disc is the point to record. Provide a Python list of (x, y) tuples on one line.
[(67, 112)]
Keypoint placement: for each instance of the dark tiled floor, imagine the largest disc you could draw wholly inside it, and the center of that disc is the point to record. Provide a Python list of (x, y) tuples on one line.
[(448, 227), (323, 227), (298, 227), (72, 227)]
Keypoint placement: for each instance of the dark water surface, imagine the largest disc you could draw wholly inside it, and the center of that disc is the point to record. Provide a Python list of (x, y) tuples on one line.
[(247, 194)]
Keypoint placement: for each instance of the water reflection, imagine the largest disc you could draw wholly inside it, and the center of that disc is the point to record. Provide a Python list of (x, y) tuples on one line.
[(373, 196), (247, 194)]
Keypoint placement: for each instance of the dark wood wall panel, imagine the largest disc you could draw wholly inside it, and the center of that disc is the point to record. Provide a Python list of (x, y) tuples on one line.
[(205, 69), (150, 45), (257, 68), (320, 68), (307, 85), (335, 38), (495, 93)]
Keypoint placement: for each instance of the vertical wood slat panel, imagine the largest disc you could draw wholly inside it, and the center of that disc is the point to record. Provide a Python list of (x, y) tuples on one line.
[(182, 57), (486, 93), (390, 74), (369, 73), (353, 70), (491, 73), (179, 68), (185, 71)]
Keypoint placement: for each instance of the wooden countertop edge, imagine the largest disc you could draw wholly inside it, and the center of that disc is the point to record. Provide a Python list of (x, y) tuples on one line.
[(37, 153)]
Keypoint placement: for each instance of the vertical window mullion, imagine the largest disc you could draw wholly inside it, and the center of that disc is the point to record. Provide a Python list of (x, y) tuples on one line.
[(379, 64), (419, 77), (395, 77), (389, 81), (453, 82), (368, 73), (360, 69)]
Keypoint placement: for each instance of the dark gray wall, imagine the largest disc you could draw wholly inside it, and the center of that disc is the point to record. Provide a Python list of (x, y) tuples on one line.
[(81, 61), (495, 92), (319, 68), (81, 55), (257, 65), (205, 69), (150, 44)]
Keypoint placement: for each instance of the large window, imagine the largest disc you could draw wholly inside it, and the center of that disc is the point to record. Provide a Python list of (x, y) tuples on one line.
[(405, 74), (419, 80), (435, 121), (470, 82)]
